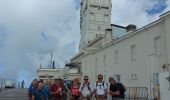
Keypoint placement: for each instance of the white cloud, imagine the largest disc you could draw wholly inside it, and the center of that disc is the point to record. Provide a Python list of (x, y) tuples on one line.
[(23, 47), (126, 12)]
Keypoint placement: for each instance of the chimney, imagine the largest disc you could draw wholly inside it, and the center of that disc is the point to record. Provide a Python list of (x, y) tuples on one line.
[(130, 28), (53, 64), (108, 35)]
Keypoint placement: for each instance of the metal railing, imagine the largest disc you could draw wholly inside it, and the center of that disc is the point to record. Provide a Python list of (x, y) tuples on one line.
[(136, 93)]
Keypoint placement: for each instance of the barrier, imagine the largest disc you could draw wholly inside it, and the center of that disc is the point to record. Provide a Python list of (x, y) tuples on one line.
[(136, 93)]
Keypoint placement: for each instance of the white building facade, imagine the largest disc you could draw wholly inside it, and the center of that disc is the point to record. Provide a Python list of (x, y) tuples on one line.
[(134, 59), (95, 17)]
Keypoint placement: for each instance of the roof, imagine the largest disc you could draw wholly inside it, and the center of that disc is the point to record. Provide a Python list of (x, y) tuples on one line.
[(73, 64), (118, 26)]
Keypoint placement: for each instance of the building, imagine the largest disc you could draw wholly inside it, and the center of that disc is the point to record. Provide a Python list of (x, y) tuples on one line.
[(95, 17), (135, 59), (48, 73), (133, 56)]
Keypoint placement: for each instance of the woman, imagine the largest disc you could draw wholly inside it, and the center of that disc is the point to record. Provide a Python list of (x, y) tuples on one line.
[(74, 91), (58, 90)]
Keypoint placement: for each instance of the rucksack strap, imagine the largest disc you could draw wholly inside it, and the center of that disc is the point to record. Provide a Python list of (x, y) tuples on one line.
[(87, 86), (100, 85)]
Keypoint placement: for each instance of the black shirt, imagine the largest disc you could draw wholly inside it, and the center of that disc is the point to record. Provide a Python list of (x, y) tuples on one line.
[(118, 87)]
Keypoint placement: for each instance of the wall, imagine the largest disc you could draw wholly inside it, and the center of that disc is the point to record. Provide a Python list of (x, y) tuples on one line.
[(136, 71)]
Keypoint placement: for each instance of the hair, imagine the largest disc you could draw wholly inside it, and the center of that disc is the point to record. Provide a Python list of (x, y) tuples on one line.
[(100, 75), (86, 76)]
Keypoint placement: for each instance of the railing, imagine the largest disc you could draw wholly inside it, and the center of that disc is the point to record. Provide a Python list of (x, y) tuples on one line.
[(136, 93)]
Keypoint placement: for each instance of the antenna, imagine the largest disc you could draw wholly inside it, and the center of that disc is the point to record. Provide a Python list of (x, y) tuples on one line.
[(40, 66), (51, 60)]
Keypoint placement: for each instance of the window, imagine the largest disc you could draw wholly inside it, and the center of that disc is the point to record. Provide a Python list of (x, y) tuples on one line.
[(157, 45), (94, 7), (134, 77), (104, 61), (105, 8), (117, 78), (92, 16), (133, 53), (85, 65), (116, 57), (106, 17), (98, 27), (96, 65)]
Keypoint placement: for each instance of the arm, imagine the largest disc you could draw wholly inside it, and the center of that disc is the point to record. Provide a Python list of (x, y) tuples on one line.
[(117, 93), (106, 88), (33, 97)]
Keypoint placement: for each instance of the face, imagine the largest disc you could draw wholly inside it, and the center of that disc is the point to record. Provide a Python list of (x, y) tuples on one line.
[(49, 82), (34, 82), (57, 81), (112, 81), (100, 78), (86, 79), (75, 82), (40, 85)]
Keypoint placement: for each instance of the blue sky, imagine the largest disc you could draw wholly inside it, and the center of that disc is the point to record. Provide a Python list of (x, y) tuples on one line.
[(158, 7), (30, 29)]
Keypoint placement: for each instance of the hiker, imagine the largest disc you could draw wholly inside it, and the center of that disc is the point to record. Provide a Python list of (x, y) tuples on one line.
[(22, 84), (33, 87), (86, 90), (45, 90), (100, 88), (49, 85), (74, 91), (116, 90), (38, 94), (58, 90)]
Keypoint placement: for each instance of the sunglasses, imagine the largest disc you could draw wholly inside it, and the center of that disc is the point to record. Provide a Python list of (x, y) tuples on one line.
[(100, 78), (85, 79)]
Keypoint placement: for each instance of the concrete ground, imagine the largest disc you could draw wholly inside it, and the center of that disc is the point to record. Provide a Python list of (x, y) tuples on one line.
[(13, 94)]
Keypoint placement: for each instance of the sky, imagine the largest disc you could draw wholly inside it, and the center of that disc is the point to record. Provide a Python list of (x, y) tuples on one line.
[(31, 29)]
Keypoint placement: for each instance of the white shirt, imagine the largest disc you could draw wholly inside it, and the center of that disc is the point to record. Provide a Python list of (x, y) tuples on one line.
[(85, 90), (100, 89)]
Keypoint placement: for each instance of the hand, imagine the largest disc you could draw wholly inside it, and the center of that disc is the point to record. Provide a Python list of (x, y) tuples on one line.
[(110, 92), (117, 93)]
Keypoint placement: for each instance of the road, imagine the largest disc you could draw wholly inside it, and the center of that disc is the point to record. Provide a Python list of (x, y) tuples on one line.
[(13, 94)]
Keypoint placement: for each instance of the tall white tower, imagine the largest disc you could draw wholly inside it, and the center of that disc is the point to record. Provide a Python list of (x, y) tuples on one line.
[(95, 17)]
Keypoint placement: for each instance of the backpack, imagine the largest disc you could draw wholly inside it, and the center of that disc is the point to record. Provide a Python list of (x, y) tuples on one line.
[(103, 86), (100, 85), (74, 89), (87, 86)]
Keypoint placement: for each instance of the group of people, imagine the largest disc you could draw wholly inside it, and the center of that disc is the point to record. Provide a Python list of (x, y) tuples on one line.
[(42, 90), (45, 90)]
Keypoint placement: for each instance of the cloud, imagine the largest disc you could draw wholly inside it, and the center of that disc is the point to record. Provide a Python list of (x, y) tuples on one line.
[(30, 29), (126, 12)]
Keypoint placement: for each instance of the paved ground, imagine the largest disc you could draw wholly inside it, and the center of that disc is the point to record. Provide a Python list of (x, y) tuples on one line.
[(13, 94)]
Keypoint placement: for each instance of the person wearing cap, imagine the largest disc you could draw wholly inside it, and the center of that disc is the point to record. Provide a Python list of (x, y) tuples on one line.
[(86, 90), (100, 88), (116, 90), (58, 90), (38, 94), (74, 91)]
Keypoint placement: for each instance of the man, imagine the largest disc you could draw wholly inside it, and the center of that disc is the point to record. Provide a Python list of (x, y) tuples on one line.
[(38, 94), (116, 89), (58, 90), (86, 90), (33, 87), (100, 89), (49, 85)]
